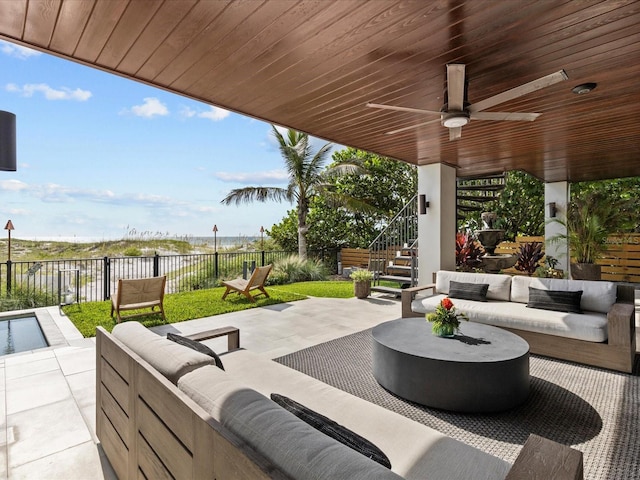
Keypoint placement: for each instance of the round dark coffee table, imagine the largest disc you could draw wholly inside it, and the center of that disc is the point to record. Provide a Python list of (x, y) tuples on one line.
[(481, 369)]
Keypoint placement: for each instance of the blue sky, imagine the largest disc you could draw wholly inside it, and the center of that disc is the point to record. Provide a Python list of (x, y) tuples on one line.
[(100, 156)]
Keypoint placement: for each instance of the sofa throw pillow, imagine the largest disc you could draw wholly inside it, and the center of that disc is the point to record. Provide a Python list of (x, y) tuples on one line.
[(187, 342), (557, 300), (333, 429), (469, 291)]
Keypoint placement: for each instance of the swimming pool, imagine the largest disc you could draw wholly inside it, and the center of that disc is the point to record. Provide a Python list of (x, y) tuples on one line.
[(20, 334)]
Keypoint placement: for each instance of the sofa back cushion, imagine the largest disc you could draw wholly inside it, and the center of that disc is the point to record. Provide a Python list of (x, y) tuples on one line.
[(292, 445), (169, 358), (499, 285), (596, 296)]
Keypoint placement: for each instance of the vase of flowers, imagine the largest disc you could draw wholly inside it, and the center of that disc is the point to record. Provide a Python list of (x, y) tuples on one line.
[(445, 321)]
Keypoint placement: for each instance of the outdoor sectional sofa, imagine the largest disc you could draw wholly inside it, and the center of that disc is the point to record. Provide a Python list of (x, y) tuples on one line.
[(602, 335), (166, 411)]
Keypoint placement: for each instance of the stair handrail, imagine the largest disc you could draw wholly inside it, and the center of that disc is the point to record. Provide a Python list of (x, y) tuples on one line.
[(414, 200)]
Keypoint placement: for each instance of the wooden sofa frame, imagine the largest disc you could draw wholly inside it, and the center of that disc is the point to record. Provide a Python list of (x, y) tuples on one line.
[(137, 294), (617, 353), (148, 428)]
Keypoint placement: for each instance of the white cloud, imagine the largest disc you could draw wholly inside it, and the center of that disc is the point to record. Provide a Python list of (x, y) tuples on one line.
[(64, 93), (17, 51), (13, 185), (271, 176), (213, 113), (150, 108)]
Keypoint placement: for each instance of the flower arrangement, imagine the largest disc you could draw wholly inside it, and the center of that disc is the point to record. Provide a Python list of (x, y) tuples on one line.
[(361, 275), (445, 320)]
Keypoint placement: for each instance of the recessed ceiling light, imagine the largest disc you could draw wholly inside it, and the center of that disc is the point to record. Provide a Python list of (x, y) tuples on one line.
[(584, 88)]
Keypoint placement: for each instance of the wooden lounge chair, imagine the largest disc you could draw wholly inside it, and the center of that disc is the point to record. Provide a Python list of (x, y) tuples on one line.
[(139, 293), (244, 287)]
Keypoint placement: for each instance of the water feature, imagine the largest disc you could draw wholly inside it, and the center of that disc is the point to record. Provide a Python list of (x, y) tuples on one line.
[(490, 237), (20, 334)]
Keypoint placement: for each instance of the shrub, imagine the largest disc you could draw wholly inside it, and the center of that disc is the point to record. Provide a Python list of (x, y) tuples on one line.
[(468, 252), (132, 252), (529, 256), (21, 298), (292, 269)]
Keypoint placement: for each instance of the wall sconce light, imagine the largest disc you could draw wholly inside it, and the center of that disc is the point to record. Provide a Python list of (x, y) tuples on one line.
[(553, 210), (7, 141), (423, 204)]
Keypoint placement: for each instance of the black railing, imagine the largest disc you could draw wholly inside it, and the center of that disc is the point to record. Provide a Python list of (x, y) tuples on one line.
[(50, 280)]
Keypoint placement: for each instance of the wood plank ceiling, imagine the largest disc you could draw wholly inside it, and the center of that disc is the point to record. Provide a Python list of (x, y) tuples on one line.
[(312, 65)]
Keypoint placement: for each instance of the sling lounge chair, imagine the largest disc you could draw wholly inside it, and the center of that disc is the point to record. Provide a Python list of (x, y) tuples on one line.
[(244, 287)]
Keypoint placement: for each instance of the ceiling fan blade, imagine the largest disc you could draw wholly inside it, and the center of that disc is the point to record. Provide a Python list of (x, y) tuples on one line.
[(519, 91), (401, 109), (455, 133), (522, 117), (404, 129), (455, 86)]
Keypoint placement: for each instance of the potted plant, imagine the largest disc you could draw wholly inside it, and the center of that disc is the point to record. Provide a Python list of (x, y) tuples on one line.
[(589, 221), (445, 321), (361, 282)]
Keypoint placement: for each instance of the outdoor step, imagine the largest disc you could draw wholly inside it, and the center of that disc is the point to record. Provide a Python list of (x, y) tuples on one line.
[(406, 258), (395, 278), (381, 289), (404, 268)]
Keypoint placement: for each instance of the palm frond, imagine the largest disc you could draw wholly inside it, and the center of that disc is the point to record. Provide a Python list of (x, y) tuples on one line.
[(247, 195)]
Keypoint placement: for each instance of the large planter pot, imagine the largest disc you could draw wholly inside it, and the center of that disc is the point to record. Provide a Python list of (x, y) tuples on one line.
[(586, 271), (362, 289)]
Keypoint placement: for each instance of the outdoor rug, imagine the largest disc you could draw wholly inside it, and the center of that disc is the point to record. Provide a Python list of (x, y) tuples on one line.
[(593, 410)]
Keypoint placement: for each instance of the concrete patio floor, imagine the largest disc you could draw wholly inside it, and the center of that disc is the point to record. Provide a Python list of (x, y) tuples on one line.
[(47, 412)]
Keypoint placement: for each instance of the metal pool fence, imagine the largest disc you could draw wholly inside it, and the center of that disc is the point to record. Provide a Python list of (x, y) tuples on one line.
[(94, 279)]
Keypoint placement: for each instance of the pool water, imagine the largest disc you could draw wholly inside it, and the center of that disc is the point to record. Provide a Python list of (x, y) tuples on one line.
[(20, 334)]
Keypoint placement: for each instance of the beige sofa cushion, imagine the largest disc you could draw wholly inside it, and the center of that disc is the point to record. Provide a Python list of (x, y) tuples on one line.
[(596, 296), (499, 285), (169, 358), (587, 326), (289, 443), (416, 451)]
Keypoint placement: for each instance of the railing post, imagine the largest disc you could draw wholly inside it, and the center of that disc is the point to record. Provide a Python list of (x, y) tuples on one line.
[(9, 262), (156, 265), (106, 278)]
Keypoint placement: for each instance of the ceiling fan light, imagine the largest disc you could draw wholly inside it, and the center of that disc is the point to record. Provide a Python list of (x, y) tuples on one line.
[(455, 119)]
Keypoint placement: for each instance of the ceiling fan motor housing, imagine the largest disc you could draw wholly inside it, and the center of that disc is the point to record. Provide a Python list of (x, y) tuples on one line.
[(455, 119)]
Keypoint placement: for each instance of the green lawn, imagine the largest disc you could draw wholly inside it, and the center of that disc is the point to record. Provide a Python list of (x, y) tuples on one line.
[(179, 307)]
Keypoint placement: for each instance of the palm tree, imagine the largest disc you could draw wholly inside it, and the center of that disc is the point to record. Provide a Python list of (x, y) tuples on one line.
[(307, 175)]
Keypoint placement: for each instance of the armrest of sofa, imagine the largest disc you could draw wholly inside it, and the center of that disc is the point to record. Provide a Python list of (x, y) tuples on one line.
[(621, 324), (408, 294), (541, 458)]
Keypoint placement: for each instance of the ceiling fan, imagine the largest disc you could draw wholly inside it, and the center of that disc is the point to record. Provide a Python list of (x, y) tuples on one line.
[(457, 112)]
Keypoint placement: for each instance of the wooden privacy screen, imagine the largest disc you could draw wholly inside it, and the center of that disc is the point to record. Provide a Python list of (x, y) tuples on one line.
[(621, 261)]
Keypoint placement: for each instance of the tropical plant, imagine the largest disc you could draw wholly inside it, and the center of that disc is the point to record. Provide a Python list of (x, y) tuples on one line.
[(468, 252), (307, 179), (590, 220), (528, 257), (387, 186), (445, 320)]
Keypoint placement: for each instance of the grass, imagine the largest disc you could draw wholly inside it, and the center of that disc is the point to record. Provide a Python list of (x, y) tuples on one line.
[(325, 289), (178, 307)]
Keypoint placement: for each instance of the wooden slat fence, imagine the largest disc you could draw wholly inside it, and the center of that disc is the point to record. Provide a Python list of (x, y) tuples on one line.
[(620, 263)]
